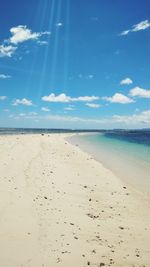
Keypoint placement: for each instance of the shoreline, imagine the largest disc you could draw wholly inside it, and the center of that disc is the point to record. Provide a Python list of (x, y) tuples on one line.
[(60, 207), (117, 165)]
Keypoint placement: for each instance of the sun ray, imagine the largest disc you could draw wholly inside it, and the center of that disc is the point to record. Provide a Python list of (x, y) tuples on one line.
[(46, 57), (40, 13), (55, 47), (66, 49)]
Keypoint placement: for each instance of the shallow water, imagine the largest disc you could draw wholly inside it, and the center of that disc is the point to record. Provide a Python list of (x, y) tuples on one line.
[(128, 160)]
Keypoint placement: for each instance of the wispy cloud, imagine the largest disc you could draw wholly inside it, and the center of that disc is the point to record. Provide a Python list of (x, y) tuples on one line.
[(45, 109), (42, 42), (28, 115), (119, 98), (69, 108), (3, 97), (23, 101), (126, 81), (92, 105), (21, 114), (86, 77), (132, 121), (4, 76), (7, 50), (142, 118), (64, 98), (143, 25), (139, 92)]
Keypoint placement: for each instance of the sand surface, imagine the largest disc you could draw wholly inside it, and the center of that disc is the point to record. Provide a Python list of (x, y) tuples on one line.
[(60, 207)]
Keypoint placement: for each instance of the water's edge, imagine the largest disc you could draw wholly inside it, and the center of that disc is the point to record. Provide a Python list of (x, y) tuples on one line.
[(127, 163)]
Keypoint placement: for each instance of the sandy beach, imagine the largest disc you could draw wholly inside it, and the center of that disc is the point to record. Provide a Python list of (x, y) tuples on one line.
[(60, 207)]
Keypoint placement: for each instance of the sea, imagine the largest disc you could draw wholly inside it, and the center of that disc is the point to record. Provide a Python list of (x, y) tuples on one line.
[(125, 152)]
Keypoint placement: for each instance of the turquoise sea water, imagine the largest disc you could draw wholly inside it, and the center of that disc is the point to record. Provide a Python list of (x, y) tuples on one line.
[(128, 160)]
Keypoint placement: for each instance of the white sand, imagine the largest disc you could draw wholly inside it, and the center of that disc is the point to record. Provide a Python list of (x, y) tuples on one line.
[(59, 207)]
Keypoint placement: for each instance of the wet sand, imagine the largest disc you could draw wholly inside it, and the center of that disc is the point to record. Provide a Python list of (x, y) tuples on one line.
[(60, 207)]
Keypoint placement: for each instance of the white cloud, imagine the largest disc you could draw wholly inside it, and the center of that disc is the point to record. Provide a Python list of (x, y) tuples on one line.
[(45, 109), (142, 117), (140, 92), (42, 42), (85, 98), (70, 119), (54, 118), (125, 32), (7, 50), (4, 76), (119, 98), (54, 98), (143, 25), (3, 97), (68, 108), (64, 98), (126, 81), (92, 105), (90, 76), (86, 77), (45, 33), (21, 114), (59, 24), (135, 120), (27, 115), (21, 34), (23, 101)]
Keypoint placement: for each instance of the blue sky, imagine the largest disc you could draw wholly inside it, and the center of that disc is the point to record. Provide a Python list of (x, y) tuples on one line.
[(75, 64)]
